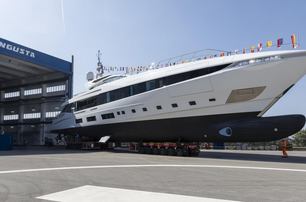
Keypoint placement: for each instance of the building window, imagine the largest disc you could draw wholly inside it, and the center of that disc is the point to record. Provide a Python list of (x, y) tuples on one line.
[(108, 116), (91, 118), (192, 103), (52, 114), (32, 116), (122, 112), (12, 94), (144, 109), (33, 91), (78, 121), (11, 117), (118, 113), (133, 111), (58, 88), (174, 105), (159, 107)]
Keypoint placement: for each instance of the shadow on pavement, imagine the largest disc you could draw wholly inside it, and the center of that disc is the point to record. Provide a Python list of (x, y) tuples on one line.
[(208, 154), (41, 150), (252, 157)]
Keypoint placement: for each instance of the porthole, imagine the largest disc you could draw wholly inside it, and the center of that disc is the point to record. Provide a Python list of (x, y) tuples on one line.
[(158, 107), (174, 105), (192, 103)]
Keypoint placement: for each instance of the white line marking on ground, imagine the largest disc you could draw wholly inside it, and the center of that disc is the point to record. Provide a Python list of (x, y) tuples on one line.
[(89, 193), (151, 165)]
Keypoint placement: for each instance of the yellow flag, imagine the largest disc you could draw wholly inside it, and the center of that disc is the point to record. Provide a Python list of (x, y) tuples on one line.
[(269, 43)]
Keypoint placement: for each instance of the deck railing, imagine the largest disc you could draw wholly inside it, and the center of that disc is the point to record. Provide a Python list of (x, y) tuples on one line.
[(191, 57)]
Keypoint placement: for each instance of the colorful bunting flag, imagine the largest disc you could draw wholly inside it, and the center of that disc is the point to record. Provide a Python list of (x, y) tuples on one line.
[(252, 49), (279, 42), (293, 41), (269, 44), (259, 47)]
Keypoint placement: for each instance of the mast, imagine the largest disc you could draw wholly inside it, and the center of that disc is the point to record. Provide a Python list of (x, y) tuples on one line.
[(100, 70)]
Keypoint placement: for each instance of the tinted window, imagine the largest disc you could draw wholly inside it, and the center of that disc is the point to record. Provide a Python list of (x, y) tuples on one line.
[(91, 118), (119, 93), (102, 98), (138, 88), (108, 116), (153, 84), (78, 121), (91, 102)]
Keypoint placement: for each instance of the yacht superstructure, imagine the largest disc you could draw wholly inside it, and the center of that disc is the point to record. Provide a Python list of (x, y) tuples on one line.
[(207, 99)]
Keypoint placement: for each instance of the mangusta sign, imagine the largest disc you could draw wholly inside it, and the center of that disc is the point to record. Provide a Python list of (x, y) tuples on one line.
[(17, 49)]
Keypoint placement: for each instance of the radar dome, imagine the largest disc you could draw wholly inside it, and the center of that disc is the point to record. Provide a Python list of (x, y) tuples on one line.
[(90, 76)]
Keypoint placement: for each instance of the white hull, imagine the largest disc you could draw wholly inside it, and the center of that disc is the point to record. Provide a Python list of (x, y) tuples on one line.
[(273, 77)]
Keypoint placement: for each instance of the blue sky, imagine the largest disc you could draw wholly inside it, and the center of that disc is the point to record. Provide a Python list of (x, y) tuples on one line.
[(139, 32)]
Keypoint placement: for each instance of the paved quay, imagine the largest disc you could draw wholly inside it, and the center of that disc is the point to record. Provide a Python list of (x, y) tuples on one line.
[(42, 174)]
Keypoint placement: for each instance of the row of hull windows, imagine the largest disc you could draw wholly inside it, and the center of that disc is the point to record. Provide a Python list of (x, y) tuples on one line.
[(111, 115), (140, 88)]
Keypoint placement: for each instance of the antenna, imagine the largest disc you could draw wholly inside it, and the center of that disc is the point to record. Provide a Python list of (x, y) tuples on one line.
[(99, 64)]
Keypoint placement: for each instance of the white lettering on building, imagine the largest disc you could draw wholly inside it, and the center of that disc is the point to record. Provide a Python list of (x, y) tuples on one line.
[(17, 49)]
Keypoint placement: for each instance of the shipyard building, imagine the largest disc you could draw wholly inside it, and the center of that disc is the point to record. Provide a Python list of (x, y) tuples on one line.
[(33, 87)]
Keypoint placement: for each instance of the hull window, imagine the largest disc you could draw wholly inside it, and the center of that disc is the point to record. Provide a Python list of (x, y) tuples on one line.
[(144, 109), (133, 111), (108, 116), (78, 121), (159, 107), (174, 105), (192, 103), (91, 118)]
